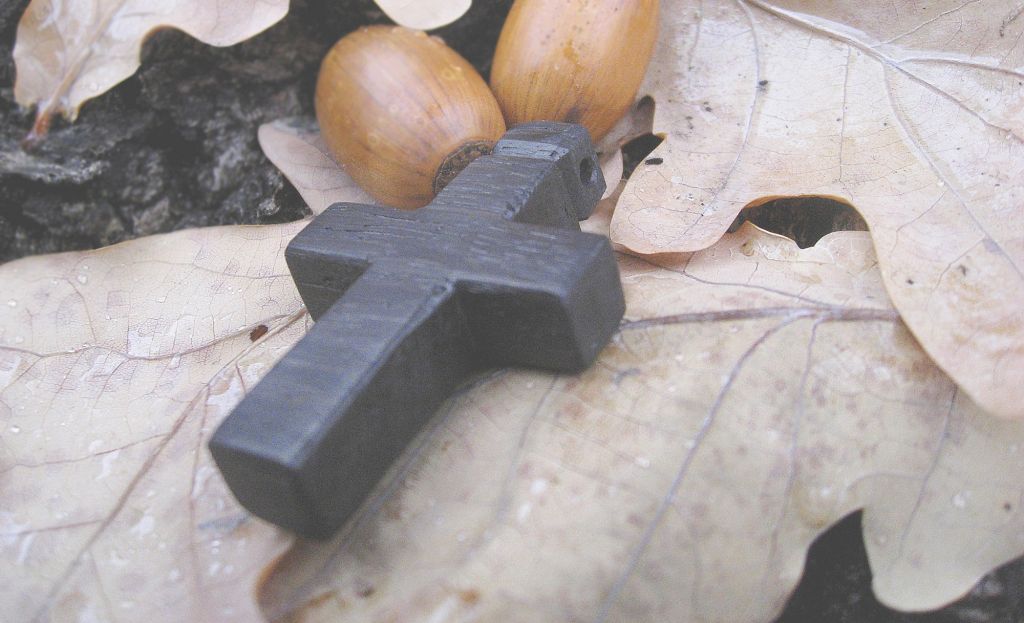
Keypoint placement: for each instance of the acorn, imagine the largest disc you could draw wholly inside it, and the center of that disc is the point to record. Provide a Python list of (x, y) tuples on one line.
[(403, 112), (579, 61)]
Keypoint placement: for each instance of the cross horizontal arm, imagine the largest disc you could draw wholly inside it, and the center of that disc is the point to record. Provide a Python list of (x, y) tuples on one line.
[(332, 250)]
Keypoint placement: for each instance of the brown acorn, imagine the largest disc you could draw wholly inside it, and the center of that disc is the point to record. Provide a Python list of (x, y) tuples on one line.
[(403, 112), (580, 61)]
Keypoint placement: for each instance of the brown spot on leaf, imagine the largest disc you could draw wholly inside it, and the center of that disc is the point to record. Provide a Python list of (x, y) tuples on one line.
[(322, 598), (574, 410), (393, 509), (365, 590), (258, 332)]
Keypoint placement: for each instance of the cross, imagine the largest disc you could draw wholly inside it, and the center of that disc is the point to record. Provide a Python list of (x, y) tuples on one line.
[(408, 305)]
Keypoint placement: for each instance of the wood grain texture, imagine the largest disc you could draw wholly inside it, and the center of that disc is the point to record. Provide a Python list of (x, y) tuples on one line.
[(396, 106), (494, 272), (578, 61)]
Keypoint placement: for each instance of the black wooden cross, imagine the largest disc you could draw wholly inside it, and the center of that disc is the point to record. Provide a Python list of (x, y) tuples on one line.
[(494, 272)]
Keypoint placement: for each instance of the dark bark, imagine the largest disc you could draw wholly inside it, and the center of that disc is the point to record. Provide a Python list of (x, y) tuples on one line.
[(175, 146)]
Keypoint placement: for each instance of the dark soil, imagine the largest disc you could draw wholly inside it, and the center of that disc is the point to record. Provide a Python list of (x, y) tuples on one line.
[(174, 146)]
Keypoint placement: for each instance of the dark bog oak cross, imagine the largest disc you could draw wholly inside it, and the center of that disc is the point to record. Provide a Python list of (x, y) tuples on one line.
[(494, 272)]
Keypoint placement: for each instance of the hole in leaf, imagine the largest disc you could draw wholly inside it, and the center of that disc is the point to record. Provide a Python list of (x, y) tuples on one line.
[(634, 152), (803, 219), (836, 588)]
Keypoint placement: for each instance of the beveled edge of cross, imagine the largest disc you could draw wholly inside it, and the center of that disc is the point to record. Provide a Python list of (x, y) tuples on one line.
[(494, 272)]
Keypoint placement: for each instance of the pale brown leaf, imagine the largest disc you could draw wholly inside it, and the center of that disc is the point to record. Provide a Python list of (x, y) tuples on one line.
[(115, 365), (296, 147), (910, 111), (69, 51)]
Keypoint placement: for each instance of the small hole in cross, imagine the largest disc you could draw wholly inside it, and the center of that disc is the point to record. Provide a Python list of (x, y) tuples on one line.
[(588, 172)]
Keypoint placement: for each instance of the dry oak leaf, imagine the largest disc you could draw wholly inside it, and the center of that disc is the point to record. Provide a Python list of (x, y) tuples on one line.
[(295, 147), (913, 112), (69, 51), (115, 365)]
